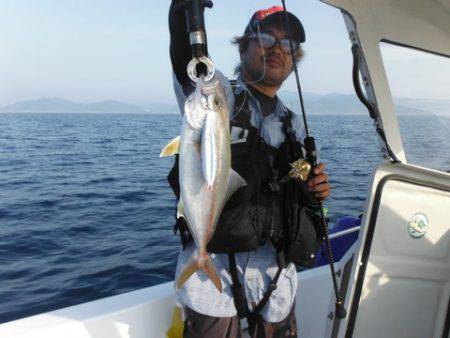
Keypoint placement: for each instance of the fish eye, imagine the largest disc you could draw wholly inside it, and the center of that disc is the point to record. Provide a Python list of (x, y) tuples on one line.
[(214, 102)]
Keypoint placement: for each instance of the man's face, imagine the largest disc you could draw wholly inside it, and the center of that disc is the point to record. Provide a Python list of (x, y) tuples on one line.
[(267, 66)]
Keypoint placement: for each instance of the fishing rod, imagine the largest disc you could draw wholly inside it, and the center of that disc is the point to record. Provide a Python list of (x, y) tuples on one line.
[(200, 63), (311, 156)]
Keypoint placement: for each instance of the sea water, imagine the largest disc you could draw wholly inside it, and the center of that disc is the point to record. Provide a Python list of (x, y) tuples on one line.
[(86, 211)]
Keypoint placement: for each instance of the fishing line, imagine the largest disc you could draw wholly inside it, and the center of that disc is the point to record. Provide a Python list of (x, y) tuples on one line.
[(263, 55), (249, 9), (242, 105), (443, 121), (294, 65), (258, 34), (261, 77)]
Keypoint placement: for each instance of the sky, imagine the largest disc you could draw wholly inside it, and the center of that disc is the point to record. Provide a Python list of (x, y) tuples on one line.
[(96, 50)]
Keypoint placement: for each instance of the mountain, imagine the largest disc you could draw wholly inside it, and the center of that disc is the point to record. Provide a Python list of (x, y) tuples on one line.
[(164, 108), (113, 106), (348, 104), (439, 107), (328, 104), (57, 105), (43, 105)]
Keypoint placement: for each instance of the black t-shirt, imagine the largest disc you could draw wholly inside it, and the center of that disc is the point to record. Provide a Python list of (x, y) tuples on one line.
[(267, 104)]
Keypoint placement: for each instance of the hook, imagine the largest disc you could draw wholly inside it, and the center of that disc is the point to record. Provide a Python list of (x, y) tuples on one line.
[(192, 68)]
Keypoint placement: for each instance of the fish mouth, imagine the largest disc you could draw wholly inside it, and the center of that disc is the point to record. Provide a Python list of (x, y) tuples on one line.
[(208, 88)]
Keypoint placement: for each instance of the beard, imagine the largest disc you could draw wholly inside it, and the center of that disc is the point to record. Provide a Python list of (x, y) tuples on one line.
[(262, 73)]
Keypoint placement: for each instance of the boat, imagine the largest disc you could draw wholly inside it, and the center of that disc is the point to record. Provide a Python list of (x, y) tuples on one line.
[(394, 276)]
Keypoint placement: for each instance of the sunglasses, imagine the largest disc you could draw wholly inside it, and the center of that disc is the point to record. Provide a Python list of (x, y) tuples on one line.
[(268, 41)]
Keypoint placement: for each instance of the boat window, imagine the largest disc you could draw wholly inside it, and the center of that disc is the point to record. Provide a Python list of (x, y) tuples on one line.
[(420, 86)]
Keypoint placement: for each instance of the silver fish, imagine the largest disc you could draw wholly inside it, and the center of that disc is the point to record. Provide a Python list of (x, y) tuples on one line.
[(205, 174)]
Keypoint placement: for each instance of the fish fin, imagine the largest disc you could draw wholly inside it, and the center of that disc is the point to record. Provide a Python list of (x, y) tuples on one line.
[(235, 181), (180, 209), (188, 270), (209, 269), (171, 148)]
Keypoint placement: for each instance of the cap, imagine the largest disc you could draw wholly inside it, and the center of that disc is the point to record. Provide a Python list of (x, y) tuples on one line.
[(275, 15)]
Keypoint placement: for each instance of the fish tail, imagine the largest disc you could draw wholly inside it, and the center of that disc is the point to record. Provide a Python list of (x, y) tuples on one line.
[(207, 266), (188, 270), (201, 262)]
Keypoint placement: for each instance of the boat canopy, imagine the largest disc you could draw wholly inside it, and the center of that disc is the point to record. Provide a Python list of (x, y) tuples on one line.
[(418, 24)]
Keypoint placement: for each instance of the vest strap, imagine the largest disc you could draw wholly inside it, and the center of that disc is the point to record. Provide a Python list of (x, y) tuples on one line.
[(238, 291)]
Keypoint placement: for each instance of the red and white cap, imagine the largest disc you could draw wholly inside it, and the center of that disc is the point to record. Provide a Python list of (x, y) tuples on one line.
[(275, 15)]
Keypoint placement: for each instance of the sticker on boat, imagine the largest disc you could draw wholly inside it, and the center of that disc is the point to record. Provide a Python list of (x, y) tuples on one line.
[(418, 225)]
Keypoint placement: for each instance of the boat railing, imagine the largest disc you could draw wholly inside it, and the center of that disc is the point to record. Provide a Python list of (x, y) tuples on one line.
[(345, 232)]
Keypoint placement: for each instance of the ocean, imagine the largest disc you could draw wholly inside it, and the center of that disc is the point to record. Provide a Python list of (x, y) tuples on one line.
[(86, 211)]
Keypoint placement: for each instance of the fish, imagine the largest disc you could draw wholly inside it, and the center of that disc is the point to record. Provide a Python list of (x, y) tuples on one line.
[(206, 178)]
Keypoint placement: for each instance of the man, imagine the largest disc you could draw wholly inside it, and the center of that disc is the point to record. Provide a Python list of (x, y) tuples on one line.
[(255, 108)]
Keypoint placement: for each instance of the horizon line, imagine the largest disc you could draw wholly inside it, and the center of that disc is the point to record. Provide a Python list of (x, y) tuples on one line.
[(142, 105)]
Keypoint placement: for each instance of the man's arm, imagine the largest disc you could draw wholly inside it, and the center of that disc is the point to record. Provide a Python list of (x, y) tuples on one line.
[(180, 48), (181, 55)]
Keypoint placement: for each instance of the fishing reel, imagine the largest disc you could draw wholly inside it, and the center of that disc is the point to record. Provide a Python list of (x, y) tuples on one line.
[(300, 171)]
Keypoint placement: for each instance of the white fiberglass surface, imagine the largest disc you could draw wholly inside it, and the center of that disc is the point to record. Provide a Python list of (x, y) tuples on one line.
[(407, 281), (148, 313)]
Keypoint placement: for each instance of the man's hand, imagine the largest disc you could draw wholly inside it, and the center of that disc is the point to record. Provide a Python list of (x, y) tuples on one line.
[(319, 183)]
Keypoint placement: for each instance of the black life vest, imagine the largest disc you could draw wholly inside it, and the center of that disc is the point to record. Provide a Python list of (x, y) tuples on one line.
[(264, 209)]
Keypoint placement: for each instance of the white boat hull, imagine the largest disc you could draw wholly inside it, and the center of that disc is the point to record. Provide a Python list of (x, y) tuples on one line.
[(147, 313)]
